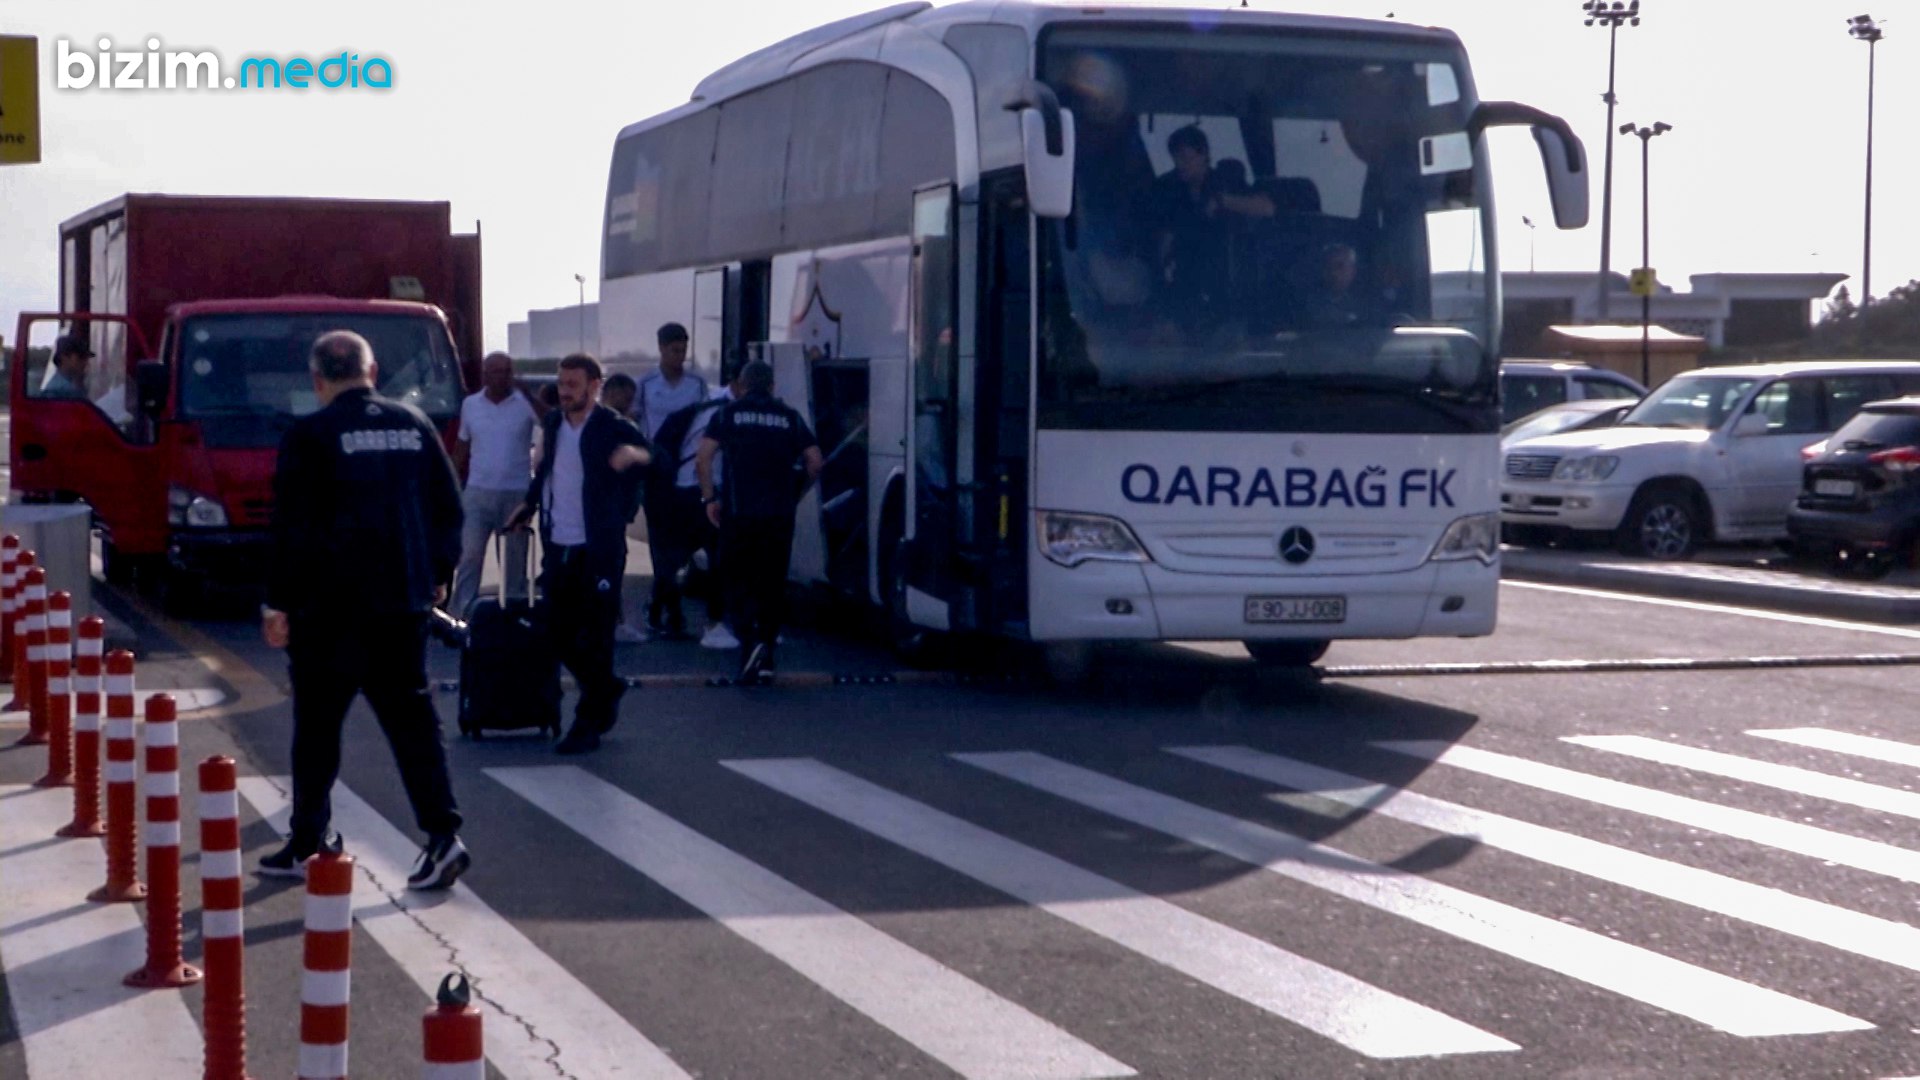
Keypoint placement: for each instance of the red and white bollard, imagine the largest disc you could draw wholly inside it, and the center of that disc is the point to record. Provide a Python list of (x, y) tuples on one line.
[(9, 595), (452, 1034), (59, 693), (87, 657), (325, 983), (33, 631), (17, 624), (164, 967), (123, 808), (221, 924)]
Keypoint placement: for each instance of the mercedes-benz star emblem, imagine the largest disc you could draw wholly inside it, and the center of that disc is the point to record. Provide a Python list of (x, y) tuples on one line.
[(1296, 545)]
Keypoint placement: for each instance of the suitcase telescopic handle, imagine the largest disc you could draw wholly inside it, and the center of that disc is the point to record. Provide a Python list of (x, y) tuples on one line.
[(532, 567)]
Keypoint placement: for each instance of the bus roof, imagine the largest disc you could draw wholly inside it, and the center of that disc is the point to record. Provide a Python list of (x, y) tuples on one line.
[(779, 59)]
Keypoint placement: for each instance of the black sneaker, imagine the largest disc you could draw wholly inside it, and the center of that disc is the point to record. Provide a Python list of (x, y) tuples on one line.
[(582, 739), (291, 860), (441, 863), (754, 664)]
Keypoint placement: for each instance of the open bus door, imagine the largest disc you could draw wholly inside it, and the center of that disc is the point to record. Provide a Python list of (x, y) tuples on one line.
[(87, 437), (925, 586)]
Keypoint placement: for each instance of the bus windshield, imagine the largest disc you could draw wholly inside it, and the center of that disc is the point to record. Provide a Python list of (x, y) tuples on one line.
[(245, 375), (1264, 223)]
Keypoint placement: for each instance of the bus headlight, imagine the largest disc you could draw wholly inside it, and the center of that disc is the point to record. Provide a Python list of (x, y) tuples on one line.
[(186, 509), (1071, 539), (1476, 537), (1586, 469)]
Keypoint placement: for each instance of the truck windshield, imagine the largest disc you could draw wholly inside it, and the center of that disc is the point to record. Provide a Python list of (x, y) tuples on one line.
[(1266, 224), (250, 370)]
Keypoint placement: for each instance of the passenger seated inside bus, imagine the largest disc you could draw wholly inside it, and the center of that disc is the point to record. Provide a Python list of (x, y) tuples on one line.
[(1191, 208), (1327, 299)]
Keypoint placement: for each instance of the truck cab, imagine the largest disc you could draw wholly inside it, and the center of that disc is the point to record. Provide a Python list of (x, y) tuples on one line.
[(175, 454)]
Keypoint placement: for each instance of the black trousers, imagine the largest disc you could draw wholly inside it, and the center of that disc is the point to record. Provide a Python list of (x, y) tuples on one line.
[(332, 660), (755, 552), (582, 609), (678, 529)]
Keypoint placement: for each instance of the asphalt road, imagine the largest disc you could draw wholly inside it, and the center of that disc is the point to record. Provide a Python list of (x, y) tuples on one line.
[(1185, 869)]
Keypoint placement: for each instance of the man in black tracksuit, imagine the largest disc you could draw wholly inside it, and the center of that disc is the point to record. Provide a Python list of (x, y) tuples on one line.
[(366, 531), (586, 487), (764, 441)]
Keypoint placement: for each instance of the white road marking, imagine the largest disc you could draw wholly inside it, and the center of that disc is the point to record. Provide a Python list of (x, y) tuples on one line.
[(1720, 609), (1789, 778), (1718, 1001), (1846, 742), (579, 1032), (1346, 1010), (64, 957), (1810, 840), (1813, 920), (955, 1020)]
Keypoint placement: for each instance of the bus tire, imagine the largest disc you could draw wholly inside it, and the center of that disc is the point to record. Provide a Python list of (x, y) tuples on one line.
[(912, 645), (182, 594), (1068, 664), (1286, 654)]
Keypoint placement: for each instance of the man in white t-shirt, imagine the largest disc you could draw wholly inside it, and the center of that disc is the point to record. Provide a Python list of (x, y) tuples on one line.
[(665, 391), (495, 459)]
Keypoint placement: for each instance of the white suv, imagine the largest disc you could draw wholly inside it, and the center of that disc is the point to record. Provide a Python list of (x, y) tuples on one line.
[(1527, 386), (1713, 453)]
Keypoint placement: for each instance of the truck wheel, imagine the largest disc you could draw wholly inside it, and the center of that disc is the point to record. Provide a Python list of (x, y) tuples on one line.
[(118, 569), (181, 593), (1286, 654), (1663, 522)]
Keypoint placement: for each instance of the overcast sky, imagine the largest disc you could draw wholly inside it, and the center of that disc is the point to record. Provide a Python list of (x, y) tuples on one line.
[(512, 118)]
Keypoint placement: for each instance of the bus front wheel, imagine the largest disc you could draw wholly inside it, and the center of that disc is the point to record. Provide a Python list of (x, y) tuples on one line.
[(1286, 654)]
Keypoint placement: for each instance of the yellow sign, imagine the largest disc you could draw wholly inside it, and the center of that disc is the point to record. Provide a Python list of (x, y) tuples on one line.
[(19, 100), (1643, 283)]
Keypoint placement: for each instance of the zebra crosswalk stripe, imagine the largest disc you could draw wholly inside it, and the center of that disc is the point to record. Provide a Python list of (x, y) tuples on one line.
[(1827, 845), (1719, 1001), (1846, 742), (1364, 1018), (1813, 920), (518, 986), (64, 958), (1790, 778), (960, 1023)]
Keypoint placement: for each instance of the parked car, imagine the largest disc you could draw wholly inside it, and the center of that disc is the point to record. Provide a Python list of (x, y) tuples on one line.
[(1527, 386), (1859, 505), (1711, 454), (1570, 416)]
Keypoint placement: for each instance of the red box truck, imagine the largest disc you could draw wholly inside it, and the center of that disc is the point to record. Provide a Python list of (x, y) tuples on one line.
[(200, 313)]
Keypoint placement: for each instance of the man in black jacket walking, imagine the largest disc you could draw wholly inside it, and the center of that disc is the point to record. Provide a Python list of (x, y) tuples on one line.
[(586, 487), (366, 531)]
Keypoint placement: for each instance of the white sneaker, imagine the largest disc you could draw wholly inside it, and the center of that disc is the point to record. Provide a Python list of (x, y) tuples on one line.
[(719, 637), (629, 635)]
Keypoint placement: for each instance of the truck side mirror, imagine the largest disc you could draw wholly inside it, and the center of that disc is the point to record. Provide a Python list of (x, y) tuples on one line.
[(1046, 130), (1561, 153), (150, 386)]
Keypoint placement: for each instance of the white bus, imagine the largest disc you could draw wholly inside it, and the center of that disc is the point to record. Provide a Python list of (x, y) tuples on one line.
[(1115, 323)]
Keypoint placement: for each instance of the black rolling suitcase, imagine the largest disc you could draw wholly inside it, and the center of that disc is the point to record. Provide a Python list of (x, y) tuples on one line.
[(509, 671)]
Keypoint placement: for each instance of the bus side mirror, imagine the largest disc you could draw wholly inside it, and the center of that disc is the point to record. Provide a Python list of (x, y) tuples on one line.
[(1566, 176), (150, 386), (1047, 130), (1561, 152)]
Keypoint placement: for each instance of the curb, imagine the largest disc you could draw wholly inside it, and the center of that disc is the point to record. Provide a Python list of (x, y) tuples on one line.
[(1794, 593)]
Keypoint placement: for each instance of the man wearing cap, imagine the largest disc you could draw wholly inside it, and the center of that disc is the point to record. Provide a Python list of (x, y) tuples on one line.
[(71, 354), (667, 390)]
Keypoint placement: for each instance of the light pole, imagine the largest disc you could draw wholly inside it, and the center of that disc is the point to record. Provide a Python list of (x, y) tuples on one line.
[(1646, 233), (581, 311), (1610, 15), (1528, 222), (1863, 28)]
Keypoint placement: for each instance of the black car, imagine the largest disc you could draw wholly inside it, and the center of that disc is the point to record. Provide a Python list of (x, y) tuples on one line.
[(1859, 504)]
